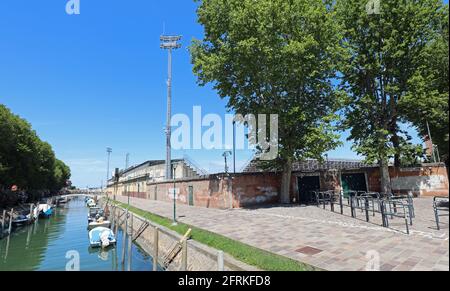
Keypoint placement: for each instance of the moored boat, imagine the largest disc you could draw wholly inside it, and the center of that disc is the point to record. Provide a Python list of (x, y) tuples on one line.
[(20, 220), (101, 222), (45, 210), (101, 237)]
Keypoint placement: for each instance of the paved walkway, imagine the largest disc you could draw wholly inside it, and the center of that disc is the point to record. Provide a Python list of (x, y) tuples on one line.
[(324, 239)]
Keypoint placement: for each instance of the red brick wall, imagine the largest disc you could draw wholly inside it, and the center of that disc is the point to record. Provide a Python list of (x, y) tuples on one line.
[(246, 190)]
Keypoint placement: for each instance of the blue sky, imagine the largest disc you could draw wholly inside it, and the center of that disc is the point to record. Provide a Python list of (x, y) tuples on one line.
[(98, 79)]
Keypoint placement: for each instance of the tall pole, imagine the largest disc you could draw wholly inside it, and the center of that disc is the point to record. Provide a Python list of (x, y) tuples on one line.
[(108, 151), (174, 200), (127, 160), (169, 43), (234, 147), (169, 116)]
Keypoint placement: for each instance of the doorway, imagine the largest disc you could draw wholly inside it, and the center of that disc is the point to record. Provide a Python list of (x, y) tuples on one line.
[(306, 186), (354, 182), (191, 195)]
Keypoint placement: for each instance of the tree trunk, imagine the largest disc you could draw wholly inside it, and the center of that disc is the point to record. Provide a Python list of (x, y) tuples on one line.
[(385, 178), (286, 182)]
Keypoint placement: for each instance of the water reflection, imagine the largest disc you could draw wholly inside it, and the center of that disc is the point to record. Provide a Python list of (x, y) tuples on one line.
[(45, 244)]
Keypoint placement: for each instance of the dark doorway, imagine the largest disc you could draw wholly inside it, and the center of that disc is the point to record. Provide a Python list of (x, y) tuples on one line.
[(354, 182), (306, 187), (191, 196)]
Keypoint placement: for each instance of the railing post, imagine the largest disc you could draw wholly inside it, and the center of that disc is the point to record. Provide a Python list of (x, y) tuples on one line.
[(184, 256), (352, 210), (366, 206), (156, 249), (220, 261), (332, 201), (124, 238), (130, 242)]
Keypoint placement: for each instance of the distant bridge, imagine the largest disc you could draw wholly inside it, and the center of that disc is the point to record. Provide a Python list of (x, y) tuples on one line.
[(91, 195)]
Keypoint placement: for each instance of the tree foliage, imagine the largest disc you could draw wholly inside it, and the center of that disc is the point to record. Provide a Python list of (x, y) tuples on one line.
[(384, 71), (274, 57), (26, 160)]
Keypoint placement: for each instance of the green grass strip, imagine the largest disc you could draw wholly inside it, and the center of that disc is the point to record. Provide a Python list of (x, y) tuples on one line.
[(261, 259)]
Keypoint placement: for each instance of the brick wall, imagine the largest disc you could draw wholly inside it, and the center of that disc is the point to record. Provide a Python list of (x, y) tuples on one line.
[(252, 189)]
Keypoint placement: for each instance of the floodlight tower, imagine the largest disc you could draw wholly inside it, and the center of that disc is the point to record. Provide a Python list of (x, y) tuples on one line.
[(169, 43)]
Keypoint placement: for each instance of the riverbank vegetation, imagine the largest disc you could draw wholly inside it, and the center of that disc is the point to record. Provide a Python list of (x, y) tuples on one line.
[(27, 164), (250, 255)]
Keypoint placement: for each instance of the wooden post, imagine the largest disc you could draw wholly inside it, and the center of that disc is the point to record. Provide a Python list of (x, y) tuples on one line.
[(130, 242), (220, 262), (124, 237), (156, 249), (3, 222), (184, 256), (31, 213), (10, 221)]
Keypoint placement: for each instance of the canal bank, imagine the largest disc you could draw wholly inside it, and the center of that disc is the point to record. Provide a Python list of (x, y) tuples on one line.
[(171, 249), (57, 243)]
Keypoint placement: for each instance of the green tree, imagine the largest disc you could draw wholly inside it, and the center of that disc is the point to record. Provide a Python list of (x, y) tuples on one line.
[(384, 54), (427, 100), (26, 160), (274, 57)]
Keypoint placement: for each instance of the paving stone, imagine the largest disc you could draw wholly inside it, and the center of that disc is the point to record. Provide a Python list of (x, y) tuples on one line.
[(328, 240)]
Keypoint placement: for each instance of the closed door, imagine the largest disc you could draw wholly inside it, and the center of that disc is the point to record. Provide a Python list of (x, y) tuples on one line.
[(191, 196), (306, 187)]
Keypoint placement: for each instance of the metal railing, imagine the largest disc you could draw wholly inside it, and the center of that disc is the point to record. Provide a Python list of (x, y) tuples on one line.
[(441, 208), (370, 204)]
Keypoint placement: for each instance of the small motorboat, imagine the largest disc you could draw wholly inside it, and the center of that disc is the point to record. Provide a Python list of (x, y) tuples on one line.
[(91, 203), (100, 222), (101, 237), (20, 220), (62, 200), (45, 210), (95, 213)]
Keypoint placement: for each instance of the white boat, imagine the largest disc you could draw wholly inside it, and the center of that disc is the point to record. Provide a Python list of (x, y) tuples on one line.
[(45, 210), (91, 203), (101, 222), (101, 237)]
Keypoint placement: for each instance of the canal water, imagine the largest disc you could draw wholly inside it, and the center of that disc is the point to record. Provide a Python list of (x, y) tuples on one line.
[(55, 244)]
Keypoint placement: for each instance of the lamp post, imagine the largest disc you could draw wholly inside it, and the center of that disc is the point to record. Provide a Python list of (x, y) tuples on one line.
[(234, 146), (174, 199), (169, 43), (108, 151)]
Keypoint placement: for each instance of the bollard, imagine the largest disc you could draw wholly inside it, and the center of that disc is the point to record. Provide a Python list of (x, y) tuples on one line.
[(124, 238), (220, 262), (184, 256), (341, 203), (130, 242), (156, 249)]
